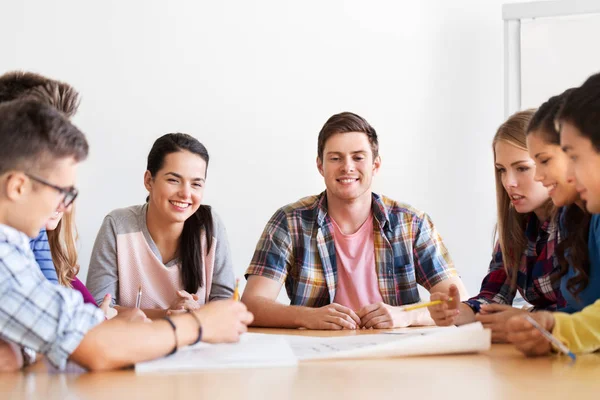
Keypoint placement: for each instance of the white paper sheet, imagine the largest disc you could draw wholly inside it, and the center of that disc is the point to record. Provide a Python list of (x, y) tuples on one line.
[(252, 351), (467, 339), (419, 331), (263, 350)]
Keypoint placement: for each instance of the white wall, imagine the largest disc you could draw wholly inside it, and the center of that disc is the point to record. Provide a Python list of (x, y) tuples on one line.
[(557, 53), (256, 80)]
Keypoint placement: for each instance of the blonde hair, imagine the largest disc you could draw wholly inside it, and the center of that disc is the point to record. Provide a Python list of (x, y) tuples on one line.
[(62, 241), (510, 228)]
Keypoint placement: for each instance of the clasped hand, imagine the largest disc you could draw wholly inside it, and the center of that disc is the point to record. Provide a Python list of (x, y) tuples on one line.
[(377, 316), (183, 302)]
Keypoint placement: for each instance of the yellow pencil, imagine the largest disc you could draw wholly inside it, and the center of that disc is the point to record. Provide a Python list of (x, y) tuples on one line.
[(236, 290), (421, 305)]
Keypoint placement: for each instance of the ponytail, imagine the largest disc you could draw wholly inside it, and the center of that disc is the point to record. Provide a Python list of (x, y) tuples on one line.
[(190, 247)]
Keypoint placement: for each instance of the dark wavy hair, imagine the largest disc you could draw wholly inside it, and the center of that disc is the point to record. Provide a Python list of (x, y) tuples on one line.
[(573, 249), (190, 247)]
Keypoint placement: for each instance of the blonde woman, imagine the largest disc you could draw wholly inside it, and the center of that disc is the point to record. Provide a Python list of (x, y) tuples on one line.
[(526, 233), (62, 235)]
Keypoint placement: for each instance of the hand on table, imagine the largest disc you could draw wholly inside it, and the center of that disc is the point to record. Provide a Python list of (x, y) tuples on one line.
[(495, 317), (332, 317), (528, 339), (184, 302), (223, 321), (383, 316)]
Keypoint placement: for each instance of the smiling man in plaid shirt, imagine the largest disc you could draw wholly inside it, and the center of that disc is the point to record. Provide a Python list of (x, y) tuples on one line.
[(348, 257)]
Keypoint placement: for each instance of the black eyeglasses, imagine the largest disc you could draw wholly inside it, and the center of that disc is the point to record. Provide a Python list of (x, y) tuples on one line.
[(70, 193)]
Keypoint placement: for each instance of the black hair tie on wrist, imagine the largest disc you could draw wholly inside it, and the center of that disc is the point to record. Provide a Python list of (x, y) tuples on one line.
[(199, 338), (174, 333)]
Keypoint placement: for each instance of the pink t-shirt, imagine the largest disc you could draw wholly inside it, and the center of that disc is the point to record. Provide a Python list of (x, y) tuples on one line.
[(356, 274)]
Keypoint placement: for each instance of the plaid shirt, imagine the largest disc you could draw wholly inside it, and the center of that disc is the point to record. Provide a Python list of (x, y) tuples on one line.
[(297, 248), (534, 277), (34, 313)]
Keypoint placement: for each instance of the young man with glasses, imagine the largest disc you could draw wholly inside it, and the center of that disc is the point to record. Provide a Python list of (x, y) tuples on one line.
[(39, 154), (62, 96), (70, 193)]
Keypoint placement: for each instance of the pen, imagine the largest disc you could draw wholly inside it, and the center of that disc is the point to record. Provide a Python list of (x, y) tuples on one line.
[(559, 345), (236, 290), (138, 300), (421, 305)]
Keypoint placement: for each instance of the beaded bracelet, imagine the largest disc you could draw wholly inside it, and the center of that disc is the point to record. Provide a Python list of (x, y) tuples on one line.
[(174, 333), (199, 338)]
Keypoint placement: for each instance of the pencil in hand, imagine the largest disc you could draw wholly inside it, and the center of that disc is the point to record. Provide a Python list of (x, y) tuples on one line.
[(422, 305), (551, 338), (236, 290)]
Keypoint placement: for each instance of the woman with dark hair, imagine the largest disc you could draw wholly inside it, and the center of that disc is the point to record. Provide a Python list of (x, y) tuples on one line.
[(579, 121), (577, 228), (173, 247)]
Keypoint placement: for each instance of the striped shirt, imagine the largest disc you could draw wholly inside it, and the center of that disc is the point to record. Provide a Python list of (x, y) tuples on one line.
[(41, 251), (297, 248), (35, 313), (536, 280)]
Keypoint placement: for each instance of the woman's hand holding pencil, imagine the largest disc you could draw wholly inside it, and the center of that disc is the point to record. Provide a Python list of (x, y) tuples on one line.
[(526, 337)]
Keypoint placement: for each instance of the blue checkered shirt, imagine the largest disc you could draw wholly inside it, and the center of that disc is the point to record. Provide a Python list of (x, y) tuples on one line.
[(34, 313)]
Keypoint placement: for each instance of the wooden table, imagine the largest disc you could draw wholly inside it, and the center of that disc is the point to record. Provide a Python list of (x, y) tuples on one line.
[(501, 373)]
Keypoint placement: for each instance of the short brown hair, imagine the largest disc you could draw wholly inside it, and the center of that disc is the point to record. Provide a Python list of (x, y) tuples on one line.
[(33, 133), (20, 84), (347, 122)]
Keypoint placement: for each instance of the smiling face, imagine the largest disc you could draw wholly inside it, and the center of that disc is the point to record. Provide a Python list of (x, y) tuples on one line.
[(348, 166), (516, 171), (177, 188), (551, 169), (52, 223), (585, 165), (33, 203)]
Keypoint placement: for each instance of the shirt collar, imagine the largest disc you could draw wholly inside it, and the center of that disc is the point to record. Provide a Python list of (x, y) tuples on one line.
[(377, 207), (535, 227)]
